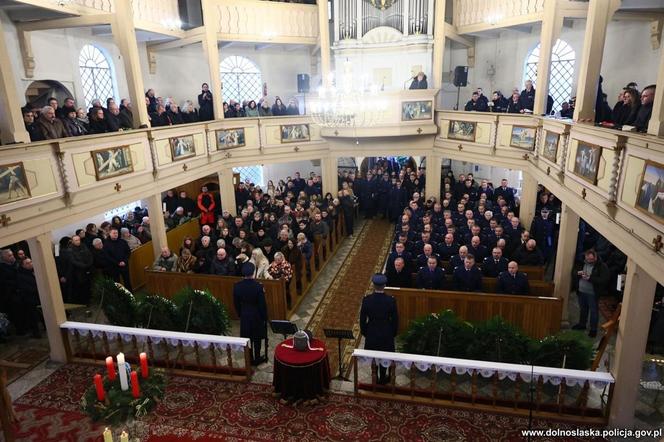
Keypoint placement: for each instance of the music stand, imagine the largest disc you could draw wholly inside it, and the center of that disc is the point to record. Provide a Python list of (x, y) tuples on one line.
[(339, 334), (284, 328)]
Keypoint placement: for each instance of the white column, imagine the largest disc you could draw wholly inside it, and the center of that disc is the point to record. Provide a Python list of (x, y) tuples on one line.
[(50, 296), (565, 255), (432, 182), (551, 27), (631, 344), (336, 20), (329, 167), (12, 128), (211, 49), (528, 200), (157, 224), (124, 35), (438, 44), (600, 13), (405, 6), (359, 19), (324, 31), (656, 124), (227, 190)]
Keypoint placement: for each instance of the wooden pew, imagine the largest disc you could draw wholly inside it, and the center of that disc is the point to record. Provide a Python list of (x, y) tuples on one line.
[(143, 256), (489, 285), (536, 316), (168, 284), (534, 273)]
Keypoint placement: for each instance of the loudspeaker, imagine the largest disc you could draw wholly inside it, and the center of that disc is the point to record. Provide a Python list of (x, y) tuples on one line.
[(461, 76), (303, 83)]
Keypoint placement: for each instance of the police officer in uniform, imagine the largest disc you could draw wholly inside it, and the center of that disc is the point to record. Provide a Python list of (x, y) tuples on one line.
[(249, 301), (379, 321), (513, 282)]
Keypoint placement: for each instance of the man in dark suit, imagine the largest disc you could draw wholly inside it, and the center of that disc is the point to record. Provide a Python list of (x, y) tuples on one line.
[(431, 277), (379, 321), (458, 259), (477, 249), (494, 265), (529, 254), (448, 248), (399, 252), (422, 259), (397, 275), (119, 253), (249, 302), (513, 282), (506, 192), (467, 278)]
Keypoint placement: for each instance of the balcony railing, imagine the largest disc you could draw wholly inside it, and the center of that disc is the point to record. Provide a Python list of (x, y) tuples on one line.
[(481, 12), (574, 395)]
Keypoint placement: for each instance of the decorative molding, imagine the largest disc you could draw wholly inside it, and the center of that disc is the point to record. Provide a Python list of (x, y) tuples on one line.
[(656, 242), (470, 54), (152, 60), (117, 187), (656, 34), (5, 220), (583, 193), (25, 46)]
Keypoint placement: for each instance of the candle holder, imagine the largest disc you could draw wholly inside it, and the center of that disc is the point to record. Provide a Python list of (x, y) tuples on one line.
[(117, 404)]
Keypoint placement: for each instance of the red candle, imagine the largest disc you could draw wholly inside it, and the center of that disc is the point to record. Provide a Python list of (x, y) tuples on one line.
[(135, 390), (99, 386), (144, 364), (110, 367)]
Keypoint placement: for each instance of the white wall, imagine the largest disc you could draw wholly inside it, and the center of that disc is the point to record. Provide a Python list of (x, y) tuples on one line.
[(279, 171), (485, 172), (180, 72), (628, 56)]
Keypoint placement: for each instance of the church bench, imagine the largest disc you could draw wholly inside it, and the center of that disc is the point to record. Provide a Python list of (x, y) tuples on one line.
[(537, 288), (536, 316), (534, 273)]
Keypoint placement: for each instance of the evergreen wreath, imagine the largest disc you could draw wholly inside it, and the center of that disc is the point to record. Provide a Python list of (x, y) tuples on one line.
[(117, 302), (438, 334), (200, 312), (118, 405), (573, 348), (157, 313)]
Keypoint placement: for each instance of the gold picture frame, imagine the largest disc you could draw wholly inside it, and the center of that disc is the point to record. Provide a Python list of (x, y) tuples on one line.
[(550, 146), (462, 130), (523, 137), (112, 162), (294, 133), (230, 138), (13, 180), (182, 147), (586, 162), (647, 200)]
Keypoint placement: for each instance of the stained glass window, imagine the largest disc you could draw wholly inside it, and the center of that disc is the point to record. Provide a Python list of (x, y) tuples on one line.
[(253, 173), (96, 75), (562, 71), (241, 79)]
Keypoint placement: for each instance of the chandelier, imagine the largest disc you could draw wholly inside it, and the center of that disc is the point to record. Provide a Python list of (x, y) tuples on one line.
[(352, 104), (382, 4)]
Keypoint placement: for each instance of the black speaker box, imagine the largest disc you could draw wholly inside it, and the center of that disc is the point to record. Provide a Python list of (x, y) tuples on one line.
[(461, 76)]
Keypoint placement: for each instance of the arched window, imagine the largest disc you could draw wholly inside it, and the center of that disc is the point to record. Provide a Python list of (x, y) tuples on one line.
[(562, 71), (96, 75), (241, 79), (253, 173)]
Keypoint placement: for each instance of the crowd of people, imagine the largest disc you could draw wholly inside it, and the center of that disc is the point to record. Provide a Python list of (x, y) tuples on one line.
[(633, 107), (67, 120)]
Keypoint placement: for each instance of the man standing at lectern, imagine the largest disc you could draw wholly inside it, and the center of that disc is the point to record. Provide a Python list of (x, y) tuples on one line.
[(379, 321)]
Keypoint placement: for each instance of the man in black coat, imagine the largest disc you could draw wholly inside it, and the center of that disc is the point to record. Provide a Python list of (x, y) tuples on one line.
[(118, 251), (249, 302), (475, 104), (528, 254), (8, 271), (513, 282), (82, 262), (494, 265), (397, 275), (527, 97), (222, 265), (399, 252), (467, 278), (26, 300), (431, 277), (379, 321), (505, 191), (593, 283)]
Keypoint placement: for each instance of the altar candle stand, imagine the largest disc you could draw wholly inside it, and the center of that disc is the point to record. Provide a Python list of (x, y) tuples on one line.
[(122, 371), (135, 389), (124, 437), (144, 365), (108, 436), (99, 386), (110, 367)]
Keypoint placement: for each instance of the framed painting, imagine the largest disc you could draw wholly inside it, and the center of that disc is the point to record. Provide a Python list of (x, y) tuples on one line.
[(461, 130), (586, 162), (416, 110), (294, 133), (182, 147), (112, 162), (550, 147), (13, 183), (523, 137), (651, 191), (230, 138)]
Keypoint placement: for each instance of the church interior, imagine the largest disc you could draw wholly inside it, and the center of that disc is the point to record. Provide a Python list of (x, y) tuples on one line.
[(331, 220)]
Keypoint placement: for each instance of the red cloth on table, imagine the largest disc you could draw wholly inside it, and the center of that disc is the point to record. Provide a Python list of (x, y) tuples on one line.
[(290, 356)]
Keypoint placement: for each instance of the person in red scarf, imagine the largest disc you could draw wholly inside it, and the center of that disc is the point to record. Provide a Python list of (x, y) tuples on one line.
[(206, 205)]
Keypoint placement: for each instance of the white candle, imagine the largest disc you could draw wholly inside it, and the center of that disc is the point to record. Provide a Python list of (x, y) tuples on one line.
[(124, 437), (122, 371), (108, 436)]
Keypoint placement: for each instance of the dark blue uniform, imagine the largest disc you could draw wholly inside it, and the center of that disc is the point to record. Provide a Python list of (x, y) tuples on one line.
[(513, 285), (249, 301), (542, 231), (467, 280), (491, 268), (426, 279), (379, 324)]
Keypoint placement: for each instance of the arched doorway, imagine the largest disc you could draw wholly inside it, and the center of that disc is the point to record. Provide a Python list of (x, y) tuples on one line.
[(399, 162), (39, 91)]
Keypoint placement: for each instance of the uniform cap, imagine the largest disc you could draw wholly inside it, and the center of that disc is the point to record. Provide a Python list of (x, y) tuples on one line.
[(248, 269), (379, 279)]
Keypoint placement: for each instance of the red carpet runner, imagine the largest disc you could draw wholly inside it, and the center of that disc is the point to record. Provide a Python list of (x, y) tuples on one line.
[(205, 410)]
